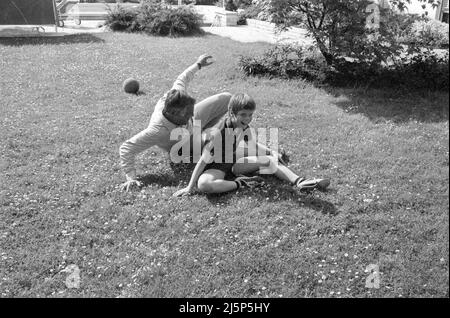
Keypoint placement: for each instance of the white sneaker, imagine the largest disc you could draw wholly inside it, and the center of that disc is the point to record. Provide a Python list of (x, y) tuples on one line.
[(311, 184)]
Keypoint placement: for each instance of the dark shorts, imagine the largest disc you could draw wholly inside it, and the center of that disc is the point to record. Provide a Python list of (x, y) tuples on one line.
[(225, 167)]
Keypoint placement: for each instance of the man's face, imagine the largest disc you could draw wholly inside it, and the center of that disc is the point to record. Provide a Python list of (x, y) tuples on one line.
[(181, 116), (243, 118)]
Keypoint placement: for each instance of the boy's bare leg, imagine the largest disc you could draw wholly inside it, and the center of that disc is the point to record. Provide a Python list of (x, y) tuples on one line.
[(253, 164), (212, 181), (210, 110)]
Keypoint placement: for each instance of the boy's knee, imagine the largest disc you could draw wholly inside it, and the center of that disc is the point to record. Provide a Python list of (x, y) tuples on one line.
[(205, 186), (266, 161)]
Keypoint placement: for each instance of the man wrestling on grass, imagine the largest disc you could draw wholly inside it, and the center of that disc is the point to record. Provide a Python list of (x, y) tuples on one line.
[(176, 109)]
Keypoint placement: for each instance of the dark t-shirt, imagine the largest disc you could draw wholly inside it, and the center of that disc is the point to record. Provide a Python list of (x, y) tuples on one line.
[(230, 139)]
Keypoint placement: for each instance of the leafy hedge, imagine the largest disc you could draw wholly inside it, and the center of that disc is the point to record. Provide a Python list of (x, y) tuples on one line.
[(286, 61), (121, 19), (429, 33), (155, 18), (426, 70)]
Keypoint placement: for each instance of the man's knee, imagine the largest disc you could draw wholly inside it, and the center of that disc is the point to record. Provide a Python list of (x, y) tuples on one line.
[(225, 95), (225, 98)]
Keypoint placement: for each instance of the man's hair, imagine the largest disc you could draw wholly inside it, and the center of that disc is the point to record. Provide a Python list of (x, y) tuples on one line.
[(241, 102), (177, 99)]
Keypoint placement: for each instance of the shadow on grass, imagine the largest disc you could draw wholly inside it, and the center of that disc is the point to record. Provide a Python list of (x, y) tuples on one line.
[(393, 105), (181, 173), (272, 190), (50, 40), (276, 191)]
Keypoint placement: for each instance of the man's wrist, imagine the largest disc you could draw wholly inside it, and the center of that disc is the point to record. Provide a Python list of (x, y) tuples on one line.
[(199, 65), (131, 175)]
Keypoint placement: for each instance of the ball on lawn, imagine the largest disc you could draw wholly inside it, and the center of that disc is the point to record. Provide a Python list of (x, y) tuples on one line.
[(131, 86)]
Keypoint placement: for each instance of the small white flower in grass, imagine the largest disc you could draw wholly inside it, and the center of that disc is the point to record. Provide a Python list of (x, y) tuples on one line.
[(263, 288), (346, 255), (73, 279), (246, 280), (320, 281), (332, 271)]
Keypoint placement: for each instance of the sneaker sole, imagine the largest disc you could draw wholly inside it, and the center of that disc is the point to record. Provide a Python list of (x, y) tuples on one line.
[(323, 184)]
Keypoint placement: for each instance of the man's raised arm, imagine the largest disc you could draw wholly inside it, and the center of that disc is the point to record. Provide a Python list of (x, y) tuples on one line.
[(183, 80)]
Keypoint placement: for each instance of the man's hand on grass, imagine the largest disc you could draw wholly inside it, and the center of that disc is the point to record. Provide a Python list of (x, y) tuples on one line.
[(203, 60), (130, 183), (127, 186)]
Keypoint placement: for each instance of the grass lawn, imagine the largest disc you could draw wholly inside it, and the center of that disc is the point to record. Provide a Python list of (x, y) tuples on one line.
[(64, 116)]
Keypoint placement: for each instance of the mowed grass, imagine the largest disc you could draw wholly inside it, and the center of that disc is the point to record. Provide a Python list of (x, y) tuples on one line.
[(64, 116)]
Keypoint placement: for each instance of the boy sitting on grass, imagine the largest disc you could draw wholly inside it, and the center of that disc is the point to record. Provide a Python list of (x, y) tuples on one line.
[(212, 177)]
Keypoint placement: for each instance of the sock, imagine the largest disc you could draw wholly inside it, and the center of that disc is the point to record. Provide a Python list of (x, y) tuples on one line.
[(299, 179)]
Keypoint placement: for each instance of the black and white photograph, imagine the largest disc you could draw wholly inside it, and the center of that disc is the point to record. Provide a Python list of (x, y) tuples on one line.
[(231, 155)]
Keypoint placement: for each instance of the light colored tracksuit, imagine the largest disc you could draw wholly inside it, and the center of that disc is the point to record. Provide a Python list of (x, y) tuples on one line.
[(208, 111)]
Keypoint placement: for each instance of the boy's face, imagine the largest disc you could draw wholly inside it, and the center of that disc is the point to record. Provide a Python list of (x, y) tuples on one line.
[(243, 118)]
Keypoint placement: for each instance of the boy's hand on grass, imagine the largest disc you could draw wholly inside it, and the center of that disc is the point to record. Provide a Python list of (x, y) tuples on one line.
[(183, 192), (203, 60), (282, 157)]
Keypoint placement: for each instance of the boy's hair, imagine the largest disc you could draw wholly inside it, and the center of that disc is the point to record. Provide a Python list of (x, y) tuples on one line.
[(177, 100), (241, 102)]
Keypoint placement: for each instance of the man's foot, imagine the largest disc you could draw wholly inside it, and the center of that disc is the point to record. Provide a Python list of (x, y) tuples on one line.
[(248, 182), (310, 184)]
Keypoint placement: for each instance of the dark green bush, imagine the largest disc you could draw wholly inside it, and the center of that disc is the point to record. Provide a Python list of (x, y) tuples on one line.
[(242, 4), (429, 33), (251, 12), (286, 61), (156, 18), (120, 19), (230, 6), (162, 20), (425, 71), (242, 19)]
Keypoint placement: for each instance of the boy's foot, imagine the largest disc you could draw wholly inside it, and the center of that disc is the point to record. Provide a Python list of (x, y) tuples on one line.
[(310, 184), (248, 182)]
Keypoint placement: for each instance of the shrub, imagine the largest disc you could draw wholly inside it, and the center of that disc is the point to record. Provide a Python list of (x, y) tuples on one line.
[(158, 19), (427, 70), (120, 19), (242, 4), (230, 6), (429, 33), (251, 12), (242, 19), (286, 61)]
